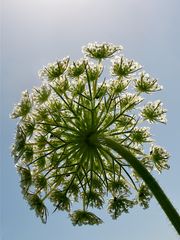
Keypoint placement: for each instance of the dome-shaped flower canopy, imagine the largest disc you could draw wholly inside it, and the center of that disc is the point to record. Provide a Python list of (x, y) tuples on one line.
[(59, 147)]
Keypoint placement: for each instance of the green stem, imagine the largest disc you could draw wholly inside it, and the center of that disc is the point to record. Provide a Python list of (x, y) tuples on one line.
[(155, 188)]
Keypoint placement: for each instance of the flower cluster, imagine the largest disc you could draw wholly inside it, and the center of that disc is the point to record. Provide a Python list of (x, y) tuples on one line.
[(23, 108), (123, 67), (59, 150), (54, 70), (154, 112), (100, 51), (76, 69), (146, 84), (159, 157)]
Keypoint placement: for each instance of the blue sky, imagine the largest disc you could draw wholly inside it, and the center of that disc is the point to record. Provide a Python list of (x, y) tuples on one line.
[(35, 32)]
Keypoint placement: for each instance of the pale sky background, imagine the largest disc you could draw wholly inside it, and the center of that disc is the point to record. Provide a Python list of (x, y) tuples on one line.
[(35, 32)]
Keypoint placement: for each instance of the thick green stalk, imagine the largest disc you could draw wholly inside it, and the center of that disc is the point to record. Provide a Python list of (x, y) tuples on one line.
[(155, 188)]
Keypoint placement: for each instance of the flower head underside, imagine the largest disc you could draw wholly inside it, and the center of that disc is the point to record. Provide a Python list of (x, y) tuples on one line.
[(58, 148)]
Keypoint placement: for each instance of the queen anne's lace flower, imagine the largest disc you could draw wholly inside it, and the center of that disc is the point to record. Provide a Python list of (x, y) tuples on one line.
[(101, 51), (93, 71), (60, 200), (23, 108), (159, 156), (119, 85), (123, 67), (144, 195), (37, 204), (128, 101), (146, 84), (119, 205), (58, 148), (77, 69), (80, 217), (54, 70), (42, 94), (140, 135), (154, 112)]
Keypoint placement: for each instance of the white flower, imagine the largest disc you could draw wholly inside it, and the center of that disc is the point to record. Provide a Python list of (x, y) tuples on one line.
[(159, 156), (41, 95), (140, 135), (23, 108), (154, 112), (54, 70), (123, 67), (119, 85), (100, 51), (59, 146), (77, 68), (128, 101), (146, 84)]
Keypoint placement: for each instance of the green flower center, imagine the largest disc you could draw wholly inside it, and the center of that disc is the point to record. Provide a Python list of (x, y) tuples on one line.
[(90, 139)]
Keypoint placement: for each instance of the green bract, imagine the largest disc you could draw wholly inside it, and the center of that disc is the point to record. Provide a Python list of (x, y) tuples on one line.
[(59, 150)]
